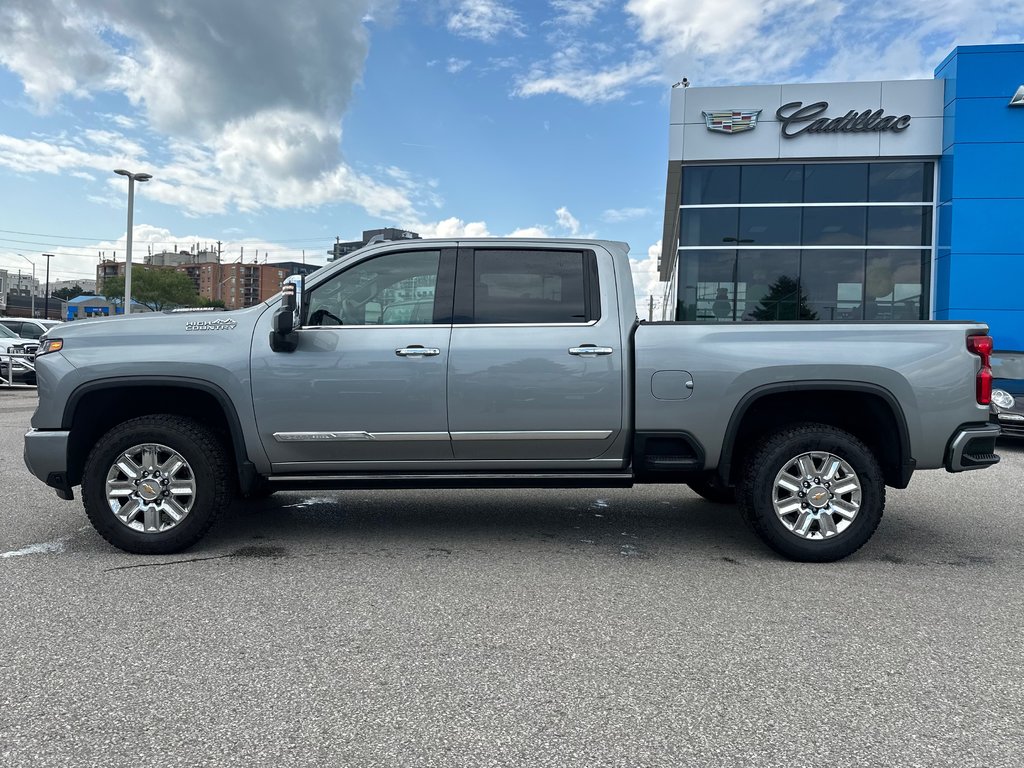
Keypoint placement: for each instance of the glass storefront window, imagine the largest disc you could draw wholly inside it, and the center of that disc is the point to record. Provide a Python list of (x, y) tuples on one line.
[(709, 226), (835, 226), (836, 183), (832, 284), (771, 183), (769, 226), (900, 225), (900, 182), (709, 286), (769, 284), (711, 184), (815, 241)]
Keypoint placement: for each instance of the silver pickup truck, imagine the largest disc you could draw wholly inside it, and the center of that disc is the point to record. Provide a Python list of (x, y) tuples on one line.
[(500, 363)]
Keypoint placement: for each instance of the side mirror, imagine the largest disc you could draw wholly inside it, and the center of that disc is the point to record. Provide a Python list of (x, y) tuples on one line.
[(288, 316)]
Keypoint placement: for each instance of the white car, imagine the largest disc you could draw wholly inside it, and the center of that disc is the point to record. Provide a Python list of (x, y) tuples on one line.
[(12, 343), (28, 327)]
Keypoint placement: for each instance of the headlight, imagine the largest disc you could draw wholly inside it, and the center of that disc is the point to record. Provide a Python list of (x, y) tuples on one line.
[(1002, 398), (50, 345)]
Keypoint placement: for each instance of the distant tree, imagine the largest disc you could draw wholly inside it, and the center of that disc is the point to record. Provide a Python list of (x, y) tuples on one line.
[(784, 301), (157, 289), (205, 302), (69, 293)]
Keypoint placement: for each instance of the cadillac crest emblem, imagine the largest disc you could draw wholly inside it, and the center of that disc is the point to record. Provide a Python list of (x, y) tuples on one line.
[(732, 120)]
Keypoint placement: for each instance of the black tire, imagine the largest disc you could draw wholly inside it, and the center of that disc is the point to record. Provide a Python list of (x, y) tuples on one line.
[(757, 494), (207, 459), (710, 487)]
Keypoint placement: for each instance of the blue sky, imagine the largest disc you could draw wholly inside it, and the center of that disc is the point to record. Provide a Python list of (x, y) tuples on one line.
[(278, 127)]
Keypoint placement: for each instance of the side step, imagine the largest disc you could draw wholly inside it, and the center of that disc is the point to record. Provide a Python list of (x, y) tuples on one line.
[(327, 482), (676, 463)]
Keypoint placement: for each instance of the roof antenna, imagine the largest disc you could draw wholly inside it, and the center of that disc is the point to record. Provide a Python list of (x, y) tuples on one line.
[(685, 83)]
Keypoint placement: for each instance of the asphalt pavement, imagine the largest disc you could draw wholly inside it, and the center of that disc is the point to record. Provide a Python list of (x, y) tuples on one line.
[(641, 627)]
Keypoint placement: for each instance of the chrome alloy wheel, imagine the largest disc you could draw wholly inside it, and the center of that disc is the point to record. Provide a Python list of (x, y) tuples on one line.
[(816, 495), (150, 488)]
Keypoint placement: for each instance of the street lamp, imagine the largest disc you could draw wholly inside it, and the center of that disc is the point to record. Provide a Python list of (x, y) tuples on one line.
[(132, 178), (33, 289)]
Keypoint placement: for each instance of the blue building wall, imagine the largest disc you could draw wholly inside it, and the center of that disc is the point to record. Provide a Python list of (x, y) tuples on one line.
[(979, 268)]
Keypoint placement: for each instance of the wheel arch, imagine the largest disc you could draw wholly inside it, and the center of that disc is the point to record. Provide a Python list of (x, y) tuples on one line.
[(868, 411), (96, 406)]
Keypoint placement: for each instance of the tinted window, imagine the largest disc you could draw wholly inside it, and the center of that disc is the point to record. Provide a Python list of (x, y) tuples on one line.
[(29, 331), (393, 289), (835, 226), (709, 226), (9, 328), (529, 287), (708, 285), (769, 226), (893, 285), (836, 183), (832, 284), (772, 184), (707, 184), (900, 182), (767, 286), (900, 225)]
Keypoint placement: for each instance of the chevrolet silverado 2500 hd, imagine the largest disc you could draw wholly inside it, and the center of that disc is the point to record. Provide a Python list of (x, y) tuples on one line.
[(500, 363)]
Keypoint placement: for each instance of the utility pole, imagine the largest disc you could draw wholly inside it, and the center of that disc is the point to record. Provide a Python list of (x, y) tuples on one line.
[(650, 312), (218, 251), (46, 301)]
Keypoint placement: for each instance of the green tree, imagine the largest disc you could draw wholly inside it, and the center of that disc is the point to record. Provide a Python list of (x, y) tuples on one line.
[(784, 301), (157, 289), (69, 293)]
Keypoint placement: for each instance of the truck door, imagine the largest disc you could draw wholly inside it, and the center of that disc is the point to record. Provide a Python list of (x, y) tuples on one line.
[(535, 372), (365, 387)]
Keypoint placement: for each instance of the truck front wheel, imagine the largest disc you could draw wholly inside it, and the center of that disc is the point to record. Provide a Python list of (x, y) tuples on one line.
[(813, 493), (155, 484)]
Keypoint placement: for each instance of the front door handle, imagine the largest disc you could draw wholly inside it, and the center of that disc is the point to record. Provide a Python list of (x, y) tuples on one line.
[(588, 350), (417, 351)]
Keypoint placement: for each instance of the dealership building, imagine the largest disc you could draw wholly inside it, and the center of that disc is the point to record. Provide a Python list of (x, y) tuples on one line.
[(884, 201)]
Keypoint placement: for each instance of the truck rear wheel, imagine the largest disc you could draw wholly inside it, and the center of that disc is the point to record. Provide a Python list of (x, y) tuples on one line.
[(155, 484), (813, 493)]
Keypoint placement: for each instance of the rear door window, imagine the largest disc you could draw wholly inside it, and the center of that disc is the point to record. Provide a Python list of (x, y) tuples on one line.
[(532, 287)]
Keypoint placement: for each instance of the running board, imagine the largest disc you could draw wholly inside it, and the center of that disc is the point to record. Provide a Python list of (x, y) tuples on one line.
[(452, 480)]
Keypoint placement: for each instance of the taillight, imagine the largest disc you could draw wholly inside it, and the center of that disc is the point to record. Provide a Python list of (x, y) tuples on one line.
[(982, 347)]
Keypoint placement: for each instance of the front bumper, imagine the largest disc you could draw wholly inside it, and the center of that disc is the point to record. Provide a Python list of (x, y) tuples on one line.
[(1011, 423), (972, 447), (46, 456)]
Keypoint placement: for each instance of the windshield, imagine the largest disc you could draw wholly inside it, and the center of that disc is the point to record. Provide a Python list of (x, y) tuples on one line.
[(7, 333)]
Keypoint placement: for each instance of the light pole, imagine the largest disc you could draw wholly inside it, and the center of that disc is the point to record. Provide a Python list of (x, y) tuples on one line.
[(132, 178), (33, 289)]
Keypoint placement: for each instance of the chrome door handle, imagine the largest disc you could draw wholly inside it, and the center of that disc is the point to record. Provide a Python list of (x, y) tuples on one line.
[(417, 351), (590, 349)]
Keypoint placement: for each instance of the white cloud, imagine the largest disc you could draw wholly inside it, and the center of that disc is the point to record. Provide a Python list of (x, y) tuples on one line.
[(529, 232), (253, 101), (647, 283), (484, 20), (779, 40), (455, 66), (570, 73), (618, 215), (567, 221), (449, 228), (577, 12)]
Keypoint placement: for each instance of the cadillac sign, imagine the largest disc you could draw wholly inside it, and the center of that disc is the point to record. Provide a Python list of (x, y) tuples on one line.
[(732, 121)]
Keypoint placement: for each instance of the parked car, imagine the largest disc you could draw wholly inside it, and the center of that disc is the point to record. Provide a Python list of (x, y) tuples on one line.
[(530, 370), (12, 343), (1008, 393), (28, 327)]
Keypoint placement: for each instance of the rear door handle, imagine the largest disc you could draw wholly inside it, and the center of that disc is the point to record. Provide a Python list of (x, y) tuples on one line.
[(417, 351), (588, 350)]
